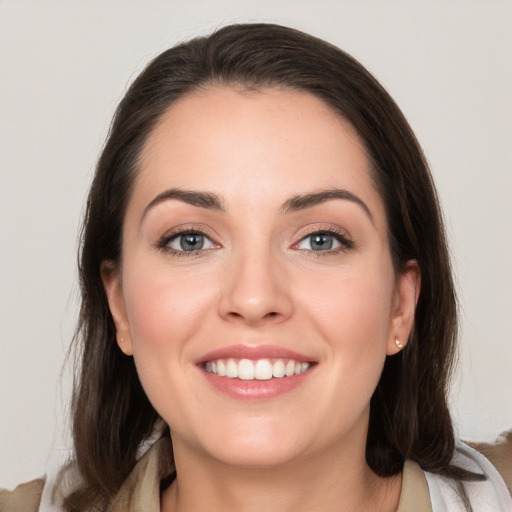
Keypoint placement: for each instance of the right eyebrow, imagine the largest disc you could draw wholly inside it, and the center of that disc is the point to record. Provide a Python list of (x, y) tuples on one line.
[(195, 198)]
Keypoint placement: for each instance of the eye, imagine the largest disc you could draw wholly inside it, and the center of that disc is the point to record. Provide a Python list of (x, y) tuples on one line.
[(325, 241), (189, 241)]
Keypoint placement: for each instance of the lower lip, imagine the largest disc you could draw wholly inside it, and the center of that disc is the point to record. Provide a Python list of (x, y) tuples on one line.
[(256, 389)]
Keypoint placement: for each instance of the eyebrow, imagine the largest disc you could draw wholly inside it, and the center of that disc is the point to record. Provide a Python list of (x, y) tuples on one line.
[(301, 202), (212, 201), (195, 198)]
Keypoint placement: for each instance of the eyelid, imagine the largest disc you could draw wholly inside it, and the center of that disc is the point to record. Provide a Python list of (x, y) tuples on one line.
[(163, 241), (342, 235), (312, 229)]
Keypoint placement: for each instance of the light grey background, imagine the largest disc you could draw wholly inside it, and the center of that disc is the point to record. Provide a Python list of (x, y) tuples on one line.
[(64, 66)]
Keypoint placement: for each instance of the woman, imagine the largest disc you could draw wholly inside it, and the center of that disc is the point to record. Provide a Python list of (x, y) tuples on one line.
[(266, 290)]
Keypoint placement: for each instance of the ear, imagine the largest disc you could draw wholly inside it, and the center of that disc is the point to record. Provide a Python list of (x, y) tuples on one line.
[(407, 291), (110, 276)]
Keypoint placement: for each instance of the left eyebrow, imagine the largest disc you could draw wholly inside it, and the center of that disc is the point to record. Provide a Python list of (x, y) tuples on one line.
[(301, 202)]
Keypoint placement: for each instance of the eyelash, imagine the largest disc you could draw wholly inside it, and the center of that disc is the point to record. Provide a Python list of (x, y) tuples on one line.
[(345, 242), (163, 243)]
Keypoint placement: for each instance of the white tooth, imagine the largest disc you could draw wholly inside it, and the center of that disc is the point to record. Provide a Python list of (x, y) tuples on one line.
[(231, 369), (221, 368), (304, 367), (208, 366), (246, 369), (214, 367), (290, 368), (278, 368), (263, 370), (297, 368)]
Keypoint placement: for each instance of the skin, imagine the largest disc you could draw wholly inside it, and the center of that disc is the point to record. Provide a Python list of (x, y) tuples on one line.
[(259, 282)]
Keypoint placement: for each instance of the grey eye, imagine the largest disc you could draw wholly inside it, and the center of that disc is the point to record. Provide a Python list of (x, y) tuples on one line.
[(319, 242), (189, 242)]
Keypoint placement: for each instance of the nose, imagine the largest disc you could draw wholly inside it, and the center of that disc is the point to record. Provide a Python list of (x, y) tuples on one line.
[(256, 290)]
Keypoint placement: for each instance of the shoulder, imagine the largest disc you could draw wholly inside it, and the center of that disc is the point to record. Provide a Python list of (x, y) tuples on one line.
[(44, 494), (488, 494), (499, 454), (26, 497)]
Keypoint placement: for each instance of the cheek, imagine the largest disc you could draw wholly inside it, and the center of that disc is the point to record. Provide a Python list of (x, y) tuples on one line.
[(351, 307), (163, 307), (352, 313), (165, 310)]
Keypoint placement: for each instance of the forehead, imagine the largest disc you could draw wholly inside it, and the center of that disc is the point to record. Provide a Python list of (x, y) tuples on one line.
[(259, 145)]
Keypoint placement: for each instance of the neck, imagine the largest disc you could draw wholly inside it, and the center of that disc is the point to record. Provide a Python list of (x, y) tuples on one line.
[(331, 481)]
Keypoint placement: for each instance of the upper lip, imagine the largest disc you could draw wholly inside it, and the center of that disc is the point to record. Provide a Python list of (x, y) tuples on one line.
[(254, 352)]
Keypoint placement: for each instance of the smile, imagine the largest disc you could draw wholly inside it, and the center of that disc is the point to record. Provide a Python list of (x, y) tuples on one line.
[(256, 372), (260, 369)]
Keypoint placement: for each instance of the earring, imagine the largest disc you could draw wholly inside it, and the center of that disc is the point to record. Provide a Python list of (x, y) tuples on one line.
[(398, 344), (121, 345)]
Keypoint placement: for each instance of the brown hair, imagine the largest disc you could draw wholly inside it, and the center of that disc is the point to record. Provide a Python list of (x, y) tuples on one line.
[(409, 417)]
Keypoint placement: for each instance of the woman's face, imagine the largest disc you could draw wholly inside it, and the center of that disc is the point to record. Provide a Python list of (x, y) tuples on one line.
[(255, 244)]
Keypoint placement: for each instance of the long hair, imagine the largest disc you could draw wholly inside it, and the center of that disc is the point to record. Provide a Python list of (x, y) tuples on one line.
[(409, 417)]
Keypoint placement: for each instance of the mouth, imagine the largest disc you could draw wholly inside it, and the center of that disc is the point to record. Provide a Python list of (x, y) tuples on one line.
[(260, 369), (255, 372)]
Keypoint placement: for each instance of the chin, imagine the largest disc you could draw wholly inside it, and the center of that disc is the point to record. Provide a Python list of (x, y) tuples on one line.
[(259, 445), (255, 455)]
